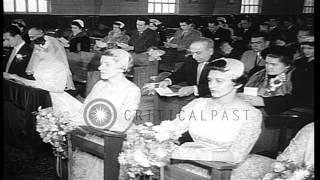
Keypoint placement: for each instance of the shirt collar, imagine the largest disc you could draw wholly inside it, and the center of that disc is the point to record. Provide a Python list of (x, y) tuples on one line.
[(19, 46)]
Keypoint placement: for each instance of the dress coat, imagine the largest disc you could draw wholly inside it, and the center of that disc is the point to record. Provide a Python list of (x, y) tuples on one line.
[(19, 64), (188, 73)]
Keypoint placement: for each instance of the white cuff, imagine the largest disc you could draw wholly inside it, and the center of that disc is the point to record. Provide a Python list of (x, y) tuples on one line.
[(168, 79), (195, 91)]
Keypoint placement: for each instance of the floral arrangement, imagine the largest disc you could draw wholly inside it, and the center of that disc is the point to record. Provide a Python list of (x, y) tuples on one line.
[(289, 171), (277, 81), (20, 56), (53, 127), (147, 148)]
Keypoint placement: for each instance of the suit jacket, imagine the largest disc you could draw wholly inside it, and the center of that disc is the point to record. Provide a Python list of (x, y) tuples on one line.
[(184, 41), (291, 34), (218, 36), (249, 60), (141, 43), (188, 73), (18, 66)]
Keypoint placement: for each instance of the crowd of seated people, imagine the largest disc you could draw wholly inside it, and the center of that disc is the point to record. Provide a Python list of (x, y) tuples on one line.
[(274, 56)]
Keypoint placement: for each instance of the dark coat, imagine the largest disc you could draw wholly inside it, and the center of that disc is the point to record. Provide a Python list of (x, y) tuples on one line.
[(141, 43), (18, 66), (188, 73), (82, 39), (302, 80)]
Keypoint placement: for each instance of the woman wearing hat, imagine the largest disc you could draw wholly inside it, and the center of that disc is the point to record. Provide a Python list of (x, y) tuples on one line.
[(78, 40), (223, 127), (116, 35), (302, 82)]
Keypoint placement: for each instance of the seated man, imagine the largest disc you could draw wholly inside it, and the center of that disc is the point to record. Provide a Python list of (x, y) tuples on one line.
[(193, 71), (184, 36), (252, 59), (177, 45), (140, 41), (20, 55)]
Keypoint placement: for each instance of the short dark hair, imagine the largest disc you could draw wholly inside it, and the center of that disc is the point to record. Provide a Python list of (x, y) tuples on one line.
[(257, 34), (187, 21), (283, 53), (12, 30), (145, 19)]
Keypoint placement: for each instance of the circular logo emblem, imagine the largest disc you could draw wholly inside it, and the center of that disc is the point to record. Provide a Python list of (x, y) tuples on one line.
[(100, 113)]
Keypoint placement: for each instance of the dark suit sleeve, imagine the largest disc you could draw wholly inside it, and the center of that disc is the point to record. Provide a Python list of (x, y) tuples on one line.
[(203, 86), (180, 75), (20, 66), (203, 90)]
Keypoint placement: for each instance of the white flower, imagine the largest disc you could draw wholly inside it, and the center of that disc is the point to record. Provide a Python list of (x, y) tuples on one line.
[(300, 174), (141, 159), (278, 167), (268, 176), (149, 172), (20, 56)]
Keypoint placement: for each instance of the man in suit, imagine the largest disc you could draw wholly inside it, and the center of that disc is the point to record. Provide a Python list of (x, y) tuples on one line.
[(194, 71), (216, 32), (20, 54), (140, 41), (184, 36), (252, 58)]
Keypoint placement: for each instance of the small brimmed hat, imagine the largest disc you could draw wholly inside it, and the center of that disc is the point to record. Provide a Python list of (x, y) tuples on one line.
[(80, 22), (233, 68)]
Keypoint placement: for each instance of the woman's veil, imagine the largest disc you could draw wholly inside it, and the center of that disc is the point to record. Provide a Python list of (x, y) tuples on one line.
[(58, 53)]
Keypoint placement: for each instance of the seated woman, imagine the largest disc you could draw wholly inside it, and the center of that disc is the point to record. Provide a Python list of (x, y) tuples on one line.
[(300, 151), (275, 78), (78, 40), (223, 127), (116, 35), (228, 50), (302, 80), (125, 97), (50, 69)]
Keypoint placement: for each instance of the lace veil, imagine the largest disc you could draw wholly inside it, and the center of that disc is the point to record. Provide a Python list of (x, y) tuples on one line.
[(57, 52)]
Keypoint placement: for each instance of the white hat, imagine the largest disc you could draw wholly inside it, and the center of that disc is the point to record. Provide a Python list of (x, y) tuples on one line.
[(222, 19), (233, 68), (155, 21), (120, 23), (80, 22)]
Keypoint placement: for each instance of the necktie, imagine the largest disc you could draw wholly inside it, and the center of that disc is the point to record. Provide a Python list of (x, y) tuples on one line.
[(13, 53), (182, 35), (199, 69), (258, 59)]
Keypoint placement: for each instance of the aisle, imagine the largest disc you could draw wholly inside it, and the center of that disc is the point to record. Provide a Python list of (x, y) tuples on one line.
[(19, 166)]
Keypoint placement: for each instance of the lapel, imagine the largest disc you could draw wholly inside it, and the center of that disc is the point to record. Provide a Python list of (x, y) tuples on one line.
[(204, 71), (15, 60)]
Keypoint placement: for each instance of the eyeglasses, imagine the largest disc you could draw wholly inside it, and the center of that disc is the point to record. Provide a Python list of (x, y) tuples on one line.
[(189, 52), (257, 42)]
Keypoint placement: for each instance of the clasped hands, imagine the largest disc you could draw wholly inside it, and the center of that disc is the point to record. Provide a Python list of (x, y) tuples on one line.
[(170, 45), (125, 47)]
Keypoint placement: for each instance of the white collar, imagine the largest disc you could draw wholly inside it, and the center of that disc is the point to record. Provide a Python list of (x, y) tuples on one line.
[(19, 46)]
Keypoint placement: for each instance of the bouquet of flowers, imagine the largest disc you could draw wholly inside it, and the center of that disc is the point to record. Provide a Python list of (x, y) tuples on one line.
[(53, 127), (289, 171), (147, 148)]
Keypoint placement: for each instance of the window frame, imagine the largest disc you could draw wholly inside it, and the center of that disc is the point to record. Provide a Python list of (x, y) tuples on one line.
[(243, 5), (162, 3), (307, 7), (27, 8)]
